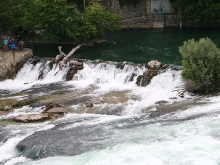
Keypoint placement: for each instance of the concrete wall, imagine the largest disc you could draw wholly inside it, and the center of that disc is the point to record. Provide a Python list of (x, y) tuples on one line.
[(11, 62)]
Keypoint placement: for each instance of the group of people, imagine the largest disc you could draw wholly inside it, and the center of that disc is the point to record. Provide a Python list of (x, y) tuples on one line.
[(10, 43)]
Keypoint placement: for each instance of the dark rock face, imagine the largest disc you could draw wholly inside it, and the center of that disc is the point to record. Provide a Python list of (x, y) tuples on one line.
[(143, 81), (71, 72)]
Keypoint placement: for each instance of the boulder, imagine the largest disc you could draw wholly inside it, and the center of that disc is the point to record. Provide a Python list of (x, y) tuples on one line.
[(154, 65), (31, 118)]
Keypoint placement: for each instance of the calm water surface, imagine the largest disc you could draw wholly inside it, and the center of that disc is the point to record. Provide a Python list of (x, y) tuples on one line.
[(137, 45)]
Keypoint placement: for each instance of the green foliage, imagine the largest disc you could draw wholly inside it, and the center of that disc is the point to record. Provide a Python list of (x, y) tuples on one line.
[(198, 12), (10, 15), (201, 62), (57, 19), (101, 19)]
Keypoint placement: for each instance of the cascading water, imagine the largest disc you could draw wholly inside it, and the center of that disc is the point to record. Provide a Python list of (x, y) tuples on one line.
[(125, 125)]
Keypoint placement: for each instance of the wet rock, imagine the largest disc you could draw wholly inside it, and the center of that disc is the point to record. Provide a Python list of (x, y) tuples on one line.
[(161, 102), (51, 64), (131, 78), (31, 118), (164, 66), (79, 67), (71, 72), (123, 64), (142, 81), (150, 73), (89, 104)]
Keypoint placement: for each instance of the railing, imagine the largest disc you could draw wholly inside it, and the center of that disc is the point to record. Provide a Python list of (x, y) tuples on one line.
[(158, 10)]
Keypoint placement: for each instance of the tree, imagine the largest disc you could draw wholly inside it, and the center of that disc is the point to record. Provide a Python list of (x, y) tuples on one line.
[(57, 19), (199, 12), (201, 62)]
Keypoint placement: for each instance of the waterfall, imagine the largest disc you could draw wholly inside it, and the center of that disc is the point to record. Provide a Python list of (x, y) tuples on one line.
[(117, 124)]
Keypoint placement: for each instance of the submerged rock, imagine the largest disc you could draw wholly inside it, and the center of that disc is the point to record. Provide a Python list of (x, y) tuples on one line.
[(63, 142)]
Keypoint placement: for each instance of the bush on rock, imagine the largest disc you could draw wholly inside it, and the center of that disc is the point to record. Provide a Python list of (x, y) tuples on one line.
[(201, 62)]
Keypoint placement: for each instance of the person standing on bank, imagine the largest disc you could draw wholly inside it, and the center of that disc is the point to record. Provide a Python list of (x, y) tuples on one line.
[(13, 46), (5, 47)]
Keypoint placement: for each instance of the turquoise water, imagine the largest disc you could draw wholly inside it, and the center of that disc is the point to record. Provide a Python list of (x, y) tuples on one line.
[(137, 45)]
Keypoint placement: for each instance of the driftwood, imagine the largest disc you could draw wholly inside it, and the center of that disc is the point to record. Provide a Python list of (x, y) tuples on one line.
[(62, 58), (61, 55)]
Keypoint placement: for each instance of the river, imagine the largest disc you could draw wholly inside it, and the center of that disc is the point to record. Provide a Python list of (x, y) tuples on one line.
[(124, 125)]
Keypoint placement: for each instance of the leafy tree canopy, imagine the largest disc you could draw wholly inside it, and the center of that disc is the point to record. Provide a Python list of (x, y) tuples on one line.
[(199, 12), (56, 19)]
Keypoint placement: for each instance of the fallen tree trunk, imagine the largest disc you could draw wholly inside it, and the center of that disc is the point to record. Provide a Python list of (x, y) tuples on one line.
[(63, 62)]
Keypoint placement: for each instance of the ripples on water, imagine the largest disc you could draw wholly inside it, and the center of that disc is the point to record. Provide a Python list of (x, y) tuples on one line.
[(139, 45)]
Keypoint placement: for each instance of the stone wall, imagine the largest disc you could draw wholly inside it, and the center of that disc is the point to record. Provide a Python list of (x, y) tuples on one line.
[(139, 16), (11, 62)]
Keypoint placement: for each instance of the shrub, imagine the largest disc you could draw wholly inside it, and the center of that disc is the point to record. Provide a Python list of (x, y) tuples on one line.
[(200, 60)]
